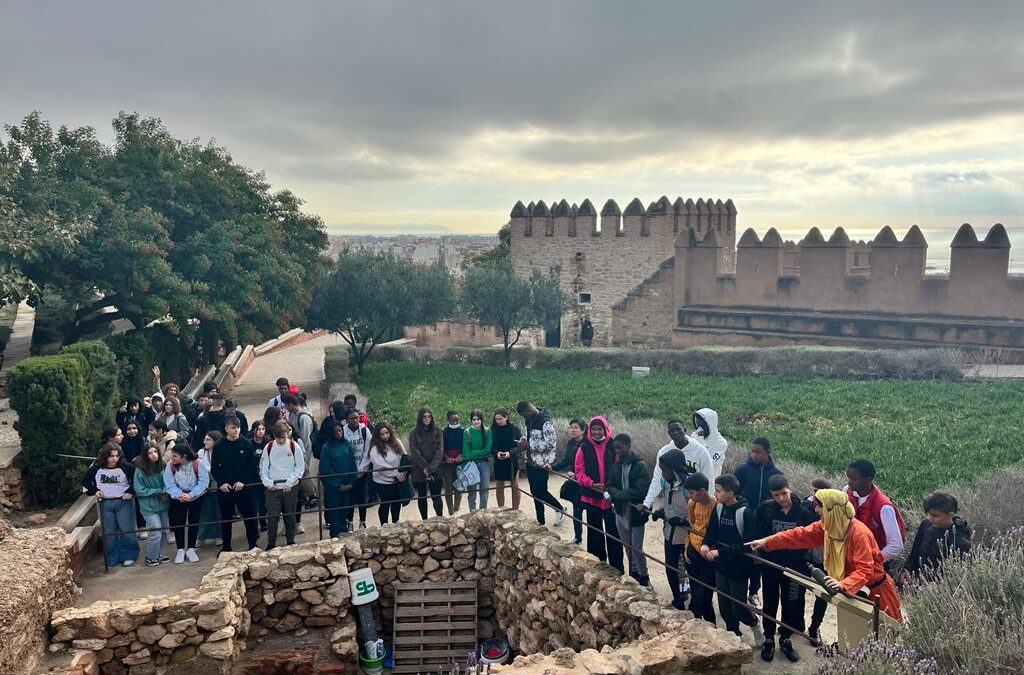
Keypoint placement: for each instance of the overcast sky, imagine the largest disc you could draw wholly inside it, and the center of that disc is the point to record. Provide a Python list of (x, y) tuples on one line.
[(444, 112)]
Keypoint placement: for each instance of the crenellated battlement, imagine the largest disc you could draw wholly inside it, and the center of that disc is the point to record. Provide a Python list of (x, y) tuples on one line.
[(661, 218)]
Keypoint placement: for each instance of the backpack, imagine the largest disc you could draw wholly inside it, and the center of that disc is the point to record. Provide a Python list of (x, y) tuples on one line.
[(195, 467), (739, 517), (312, 433)]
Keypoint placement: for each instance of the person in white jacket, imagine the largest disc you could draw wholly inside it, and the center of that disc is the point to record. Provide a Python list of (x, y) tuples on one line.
[(697, 459), (705, 422), (281, 467)]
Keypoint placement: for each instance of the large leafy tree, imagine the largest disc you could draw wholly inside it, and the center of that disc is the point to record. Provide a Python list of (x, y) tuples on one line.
[(369, 297), (495, 295), (160, 228)]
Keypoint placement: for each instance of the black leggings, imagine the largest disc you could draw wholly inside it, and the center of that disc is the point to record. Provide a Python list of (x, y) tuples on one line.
[(178, 514), (434, 488), (390, 492), (357, 497)]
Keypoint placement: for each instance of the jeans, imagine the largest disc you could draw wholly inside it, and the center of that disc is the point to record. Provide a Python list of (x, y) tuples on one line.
[(358, 496), (434, 488), (484, 487), (733, 613), (158, 537), (673, 555), (180, 513), (633, 535), (452, 497), (578, 509), (600, 524), (120, 536), (538, 479), (245, 501), (281, 503), (702, 585), (210, 515), (776, 587), (390, 501), (336, 509)]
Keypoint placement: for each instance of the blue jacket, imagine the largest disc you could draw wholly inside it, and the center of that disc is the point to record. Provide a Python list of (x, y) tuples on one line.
[(336, 458), (753, 478)]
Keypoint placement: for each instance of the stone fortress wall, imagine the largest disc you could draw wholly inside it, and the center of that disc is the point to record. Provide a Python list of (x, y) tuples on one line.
[(695, 284), (602, 256)]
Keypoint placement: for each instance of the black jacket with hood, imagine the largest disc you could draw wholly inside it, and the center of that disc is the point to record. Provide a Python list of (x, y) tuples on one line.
[(932, 545), (724, 536)]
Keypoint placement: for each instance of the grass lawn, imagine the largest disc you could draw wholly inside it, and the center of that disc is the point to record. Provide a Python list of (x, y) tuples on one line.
[(922, 435)]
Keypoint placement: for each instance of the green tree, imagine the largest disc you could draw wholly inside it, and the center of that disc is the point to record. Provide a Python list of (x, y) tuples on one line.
[(175, 230), (499, 254), (495, 295), (368, 297)]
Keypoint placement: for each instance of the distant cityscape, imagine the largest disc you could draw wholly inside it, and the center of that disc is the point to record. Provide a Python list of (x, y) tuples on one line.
[(449, 249)]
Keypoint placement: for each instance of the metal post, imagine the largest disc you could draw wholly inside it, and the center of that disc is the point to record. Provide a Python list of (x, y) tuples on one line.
[(103, 536), (876, 616)]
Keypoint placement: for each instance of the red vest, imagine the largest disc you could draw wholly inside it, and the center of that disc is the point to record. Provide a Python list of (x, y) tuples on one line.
[(870, 513)]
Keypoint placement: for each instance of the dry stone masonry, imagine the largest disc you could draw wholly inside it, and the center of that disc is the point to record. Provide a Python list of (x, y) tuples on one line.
[(546, 596)]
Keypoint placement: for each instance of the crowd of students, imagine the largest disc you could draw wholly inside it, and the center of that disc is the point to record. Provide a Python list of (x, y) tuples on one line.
[(192, 467)]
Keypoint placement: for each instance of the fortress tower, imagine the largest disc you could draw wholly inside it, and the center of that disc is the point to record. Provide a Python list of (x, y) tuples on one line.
[(603, 256)]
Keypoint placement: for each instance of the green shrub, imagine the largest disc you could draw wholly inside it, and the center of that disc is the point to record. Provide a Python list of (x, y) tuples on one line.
[(138, 351), (972, 619), (101, 375), (54, 403), (830, 362)]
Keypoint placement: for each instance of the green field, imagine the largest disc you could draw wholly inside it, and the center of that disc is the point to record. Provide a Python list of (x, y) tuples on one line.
[(922, 435)]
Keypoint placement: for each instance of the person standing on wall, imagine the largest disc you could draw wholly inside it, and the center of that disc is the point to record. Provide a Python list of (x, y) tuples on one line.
[(110, 480), (476, 448), (627, 484), (538, 446), (235, 468), (586, 332), (570, 490), (505, 449), (425, 452), (875, 510), (386, 459), (593, 465)]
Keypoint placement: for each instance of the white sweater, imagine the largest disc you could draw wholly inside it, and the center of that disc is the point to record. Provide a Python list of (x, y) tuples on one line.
[(696, 456), (283, 465)]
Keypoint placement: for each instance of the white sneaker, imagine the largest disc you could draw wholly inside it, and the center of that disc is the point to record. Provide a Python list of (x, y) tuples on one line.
[(143, 536), (191, 555), (754, 600), (758, 635), (300, 529), (128, 563), (559, 518), (179, 557)]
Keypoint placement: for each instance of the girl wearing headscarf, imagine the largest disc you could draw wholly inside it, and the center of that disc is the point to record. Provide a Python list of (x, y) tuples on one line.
[(593, 463), (852, 558)]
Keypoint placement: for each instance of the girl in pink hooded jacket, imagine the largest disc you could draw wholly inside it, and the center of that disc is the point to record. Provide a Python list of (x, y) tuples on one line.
[(593, 462)]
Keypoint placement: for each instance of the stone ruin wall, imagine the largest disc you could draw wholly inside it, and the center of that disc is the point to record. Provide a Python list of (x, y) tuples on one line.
[(609, 253), (548, 596), (885, 279), (35, 574)]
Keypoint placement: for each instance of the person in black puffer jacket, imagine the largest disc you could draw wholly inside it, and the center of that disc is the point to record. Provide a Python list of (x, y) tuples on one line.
[(941, 535)]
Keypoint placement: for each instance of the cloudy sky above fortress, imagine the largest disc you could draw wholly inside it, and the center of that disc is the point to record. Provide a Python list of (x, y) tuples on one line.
[(805, 113)]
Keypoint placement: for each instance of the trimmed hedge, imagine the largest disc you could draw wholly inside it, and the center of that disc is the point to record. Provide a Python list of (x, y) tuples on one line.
[(54, 406), (138, 351), (337, 364), (830, 362), (101, 376)]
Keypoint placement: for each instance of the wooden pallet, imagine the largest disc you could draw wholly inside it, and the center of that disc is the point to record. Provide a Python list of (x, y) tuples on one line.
[(435, 624)]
